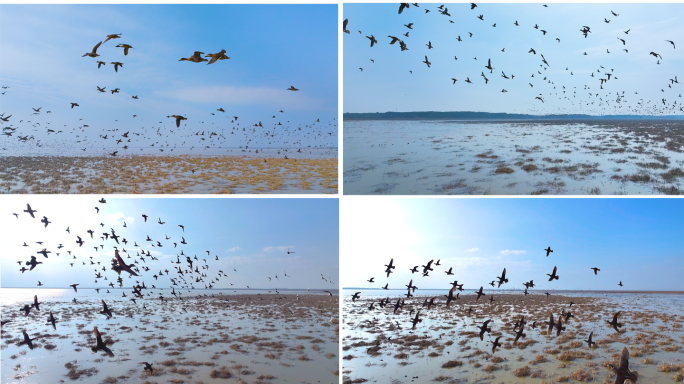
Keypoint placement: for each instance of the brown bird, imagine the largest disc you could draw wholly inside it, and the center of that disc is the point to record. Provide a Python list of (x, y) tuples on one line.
[(100, 344), (623, 373), (217, 56), (93, 53), (178, 119)]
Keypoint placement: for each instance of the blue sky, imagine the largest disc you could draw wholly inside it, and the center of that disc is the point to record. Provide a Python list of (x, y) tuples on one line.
[(638, 241), (271, 47), (387, 85), (250, 235)]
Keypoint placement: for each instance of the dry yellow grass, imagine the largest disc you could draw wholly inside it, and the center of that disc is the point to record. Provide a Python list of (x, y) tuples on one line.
[(167, 174)]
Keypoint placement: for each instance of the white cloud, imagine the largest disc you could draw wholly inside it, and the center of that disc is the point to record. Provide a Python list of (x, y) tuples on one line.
[(506, 252), (234, 249), (118, 218), (473, 250)]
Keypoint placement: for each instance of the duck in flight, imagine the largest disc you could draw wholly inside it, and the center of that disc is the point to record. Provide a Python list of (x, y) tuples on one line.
[(105, 311), (489, 66), (27, 340), (595, 270), (495, 344), (548, 251), (93, 53), (553, 275), (484, 328), (614, 323), (502, 278), (589, 342), (390, 267), (51, 320), (100, 344), (479, 294), (416, 320), (622, 372)]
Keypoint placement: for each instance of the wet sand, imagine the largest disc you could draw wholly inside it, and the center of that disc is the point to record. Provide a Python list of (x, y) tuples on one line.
[(381, 347), (167, 174), (222, 339), (513, 158)]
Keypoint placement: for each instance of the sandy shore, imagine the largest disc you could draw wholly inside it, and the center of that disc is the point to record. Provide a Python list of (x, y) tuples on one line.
[(380, 346), (167, 174), (224, 339)]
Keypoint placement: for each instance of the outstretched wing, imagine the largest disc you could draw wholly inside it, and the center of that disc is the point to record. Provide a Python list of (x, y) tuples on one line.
[(624, 359)]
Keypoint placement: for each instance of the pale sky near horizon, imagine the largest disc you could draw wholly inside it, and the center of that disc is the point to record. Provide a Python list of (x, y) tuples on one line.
[(387, 85), (271, 47), (636, 241), (252, 236)]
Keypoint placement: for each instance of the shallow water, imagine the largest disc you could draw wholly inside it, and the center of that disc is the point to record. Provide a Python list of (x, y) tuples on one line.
[(512, 158), (290, 337), (381, 347)]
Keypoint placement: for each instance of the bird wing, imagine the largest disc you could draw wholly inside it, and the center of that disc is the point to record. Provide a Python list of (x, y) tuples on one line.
[(624, 359), (97, 336), (96, 47)]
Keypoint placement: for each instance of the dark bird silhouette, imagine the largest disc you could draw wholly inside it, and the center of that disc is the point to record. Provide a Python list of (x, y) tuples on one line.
[(622, 372), (589, 342), (390, 267), (479, 294), (520, 333), (148, 367), (100, 344), (416, 320), (489, 66), (28, 207), (502, 278), (495, 344), (614, 323), (484, 328), (356, 296), (595, 270), (105, 311), (451, 296), (553, 275), (27, 340), (51, 320)]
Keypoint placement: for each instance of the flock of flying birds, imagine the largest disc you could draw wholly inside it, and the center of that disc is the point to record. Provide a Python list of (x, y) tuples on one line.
[(551, 86), (217, 134), (184, 274), (622, 371)]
